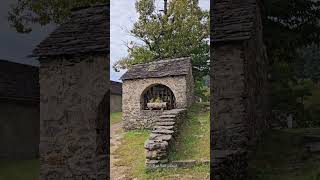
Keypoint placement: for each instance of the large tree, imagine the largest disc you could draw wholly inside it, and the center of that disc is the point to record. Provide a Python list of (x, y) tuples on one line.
[(24, 13), (180, 30)]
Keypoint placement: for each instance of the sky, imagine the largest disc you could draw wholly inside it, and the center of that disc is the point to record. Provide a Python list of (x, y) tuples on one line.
[(122, 18), (17, 47)]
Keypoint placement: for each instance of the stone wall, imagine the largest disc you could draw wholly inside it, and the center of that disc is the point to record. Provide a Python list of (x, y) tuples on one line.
[(19, 129), (74, 116), (115, 103), (133, 115), (163, 137), (239, 100)]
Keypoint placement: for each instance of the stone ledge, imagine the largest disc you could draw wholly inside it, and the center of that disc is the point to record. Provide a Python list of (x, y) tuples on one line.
[(176, 164)]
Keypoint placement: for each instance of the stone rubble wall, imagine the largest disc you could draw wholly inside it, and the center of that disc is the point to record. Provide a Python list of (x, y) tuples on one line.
[(163, 136), (74, 112)]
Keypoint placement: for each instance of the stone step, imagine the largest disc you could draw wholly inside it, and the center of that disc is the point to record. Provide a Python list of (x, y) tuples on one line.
[(156, 155), (168, 116), (160, 137), (165, 123), (153, 145), (164, 127), (153, 163), (184, 163), (163, 131), (174, 111), (166, 120)]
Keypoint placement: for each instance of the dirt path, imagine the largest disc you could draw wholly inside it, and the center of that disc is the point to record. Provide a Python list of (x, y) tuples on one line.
[(117, 171)]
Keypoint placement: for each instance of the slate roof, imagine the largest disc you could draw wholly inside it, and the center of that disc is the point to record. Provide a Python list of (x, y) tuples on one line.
[(86, 31), (162, 68), (233, 20), (19, 81), (115, 87)]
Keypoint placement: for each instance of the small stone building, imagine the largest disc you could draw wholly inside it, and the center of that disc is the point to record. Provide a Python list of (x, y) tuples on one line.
[(170, 80), (19, 111), (74, 97), (115, 96)]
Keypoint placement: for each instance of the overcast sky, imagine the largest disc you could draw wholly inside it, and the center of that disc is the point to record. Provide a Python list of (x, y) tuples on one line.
[(16, 47)]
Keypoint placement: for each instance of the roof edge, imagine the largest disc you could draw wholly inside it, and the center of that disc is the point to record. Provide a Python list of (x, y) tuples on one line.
[(163, 60), (88, 6), (155, 77)]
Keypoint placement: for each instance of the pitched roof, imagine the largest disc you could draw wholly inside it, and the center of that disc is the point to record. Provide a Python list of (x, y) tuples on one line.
[(86, 31), (162, 68), (115, 87), (233, 20), (19, 81)]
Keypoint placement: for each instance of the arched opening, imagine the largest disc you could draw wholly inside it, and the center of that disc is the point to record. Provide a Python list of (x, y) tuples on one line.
[(158, 97)]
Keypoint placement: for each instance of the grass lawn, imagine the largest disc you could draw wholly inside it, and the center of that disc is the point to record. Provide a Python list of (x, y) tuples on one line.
[(19, 169), (115, 117), (195, 142), (314, 98), (195, 145), (281, 156)]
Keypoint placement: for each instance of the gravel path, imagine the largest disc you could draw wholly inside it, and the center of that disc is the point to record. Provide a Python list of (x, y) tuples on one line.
[(117, 172)]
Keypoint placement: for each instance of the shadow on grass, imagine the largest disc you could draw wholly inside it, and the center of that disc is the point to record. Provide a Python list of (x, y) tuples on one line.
[(281, 155)]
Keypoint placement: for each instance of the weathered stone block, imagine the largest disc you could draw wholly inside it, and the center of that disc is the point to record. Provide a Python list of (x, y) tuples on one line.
[(163, 131), (165, 123)]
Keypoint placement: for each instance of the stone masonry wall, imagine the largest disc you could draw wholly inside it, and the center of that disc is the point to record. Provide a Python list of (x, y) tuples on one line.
[(239, 100), (133, 115), (74, 118), (166, 129)]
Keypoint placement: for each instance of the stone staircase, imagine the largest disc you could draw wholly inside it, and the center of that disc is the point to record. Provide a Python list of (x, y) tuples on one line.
[(162, 137)]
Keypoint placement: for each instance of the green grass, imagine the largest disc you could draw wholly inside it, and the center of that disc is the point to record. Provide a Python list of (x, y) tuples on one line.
[(314, 99), (273, 158), (115, 117), (195, 142), (132, 150), (19, 169)]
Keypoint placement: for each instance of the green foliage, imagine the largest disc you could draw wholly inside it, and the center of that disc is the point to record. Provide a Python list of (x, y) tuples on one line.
[(156, 100), (311, 66), (115, 117), (290, 25), (202, 90), (182, 32), (27, 12), (279, 153)]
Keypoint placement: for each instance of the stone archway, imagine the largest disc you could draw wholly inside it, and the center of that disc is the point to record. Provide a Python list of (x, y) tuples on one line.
[(158, 91)]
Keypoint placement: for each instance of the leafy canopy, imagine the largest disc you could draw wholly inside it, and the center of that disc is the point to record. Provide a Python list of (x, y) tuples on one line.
[(291, 26), (24, 13)]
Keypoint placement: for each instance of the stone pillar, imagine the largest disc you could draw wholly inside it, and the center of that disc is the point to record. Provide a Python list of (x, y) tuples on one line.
[(239, 85), (74, 118)]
